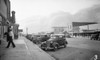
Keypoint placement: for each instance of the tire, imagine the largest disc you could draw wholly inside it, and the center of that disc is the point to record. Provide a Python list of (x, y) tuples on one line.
[(41, 46), (46, 49), (55, 47), (58, 46)]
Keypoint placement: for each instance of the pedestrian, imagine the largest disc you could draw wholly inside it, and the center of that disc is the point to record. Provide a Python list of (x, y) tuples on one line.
[(10, 38)]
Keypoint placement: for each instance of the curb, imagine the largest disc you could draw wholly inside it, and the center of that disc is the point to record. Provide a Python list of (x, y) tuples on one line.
[(52, 58)]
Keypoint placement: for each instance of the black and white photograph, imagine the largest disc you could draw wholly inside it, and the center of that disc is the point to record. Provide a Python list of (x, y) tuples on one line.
[(49, 29)]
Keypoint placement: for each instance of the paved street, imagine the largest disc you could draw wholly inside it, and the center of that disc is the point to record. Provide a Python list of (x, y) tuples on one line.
[(85, 43), (24, 50), (78, 49)]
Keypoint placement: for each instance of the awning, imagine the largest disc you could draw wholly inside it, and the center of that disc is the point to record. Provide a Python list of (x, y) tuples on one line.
[(82, 23)]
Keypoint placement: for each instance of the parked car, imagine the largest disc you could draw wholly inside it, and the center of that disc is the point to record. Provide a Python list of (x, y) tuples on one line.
[(61, 42), (44, 38), (95, 37), (55, 42), (29, 36)]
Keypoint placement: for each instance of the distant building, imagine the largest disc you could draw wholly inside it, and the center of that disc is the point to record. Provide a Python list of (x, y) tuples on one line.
[(76, 29), (90, 28), (13, 23), (59, 29)]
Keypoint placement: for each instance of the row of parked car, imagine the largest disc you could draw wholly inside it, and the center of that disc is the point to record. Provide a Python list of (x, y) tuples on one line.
[(47, 42), (95, 36)]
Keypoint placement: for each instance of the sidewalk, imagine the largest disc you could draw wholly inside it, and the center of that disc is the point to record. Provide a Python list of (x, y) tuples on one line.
[(24, 50)]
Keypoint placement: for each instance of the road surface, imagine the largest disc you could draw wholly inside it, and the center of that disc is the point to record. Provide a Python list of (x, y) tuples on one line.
[(78, 49)]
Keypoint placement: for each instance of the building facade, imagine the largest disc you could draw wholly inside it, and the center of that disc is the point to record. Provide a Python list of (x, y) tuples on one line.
[(58, 30), (6, 19), (4, 15)]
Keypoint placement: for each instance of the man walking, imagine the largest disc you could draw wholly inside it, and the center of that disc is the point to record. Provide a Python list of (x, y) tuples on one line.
[(10, 38)]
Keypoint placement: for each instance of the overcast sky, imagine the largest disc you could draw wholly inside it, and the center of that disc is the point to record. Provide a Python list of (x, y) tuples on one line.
[(27, 8)]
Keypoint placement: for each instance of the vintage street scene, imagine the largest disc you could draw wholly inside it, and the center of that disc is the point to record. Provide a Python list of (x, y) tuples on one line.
[(49, 29)]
